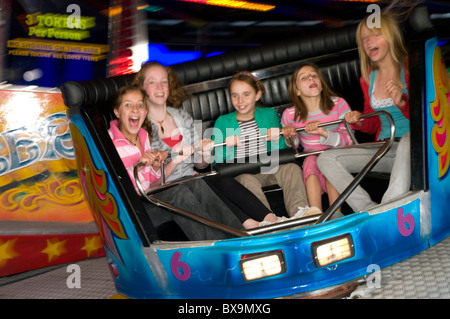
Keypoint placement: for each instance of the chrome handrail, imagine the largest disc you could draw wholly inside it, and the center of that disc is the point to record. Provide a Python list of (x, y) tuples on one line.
[(297, 154), (297, 130), (182, 212), (358, 178), (325, 216)]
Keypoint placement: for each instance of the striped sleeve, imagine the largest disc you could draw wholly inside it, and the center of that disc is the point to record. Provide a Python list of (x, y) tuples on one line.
[(338, 136), (287, 118), (130, 156)]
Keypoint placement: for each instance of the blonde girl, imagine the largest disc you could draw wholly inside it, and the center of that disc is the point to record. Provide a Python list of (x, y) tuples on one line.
[(384, 82)]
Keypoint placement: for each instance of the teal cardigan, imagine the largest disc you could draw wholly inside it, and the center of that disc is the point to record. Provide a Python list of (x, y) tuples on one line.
[(227, 125)]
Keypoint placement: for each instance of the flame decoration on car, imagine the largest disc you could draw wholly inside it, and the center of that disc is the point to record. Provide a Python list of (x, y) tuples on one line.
[(101, 202), (440, 113)]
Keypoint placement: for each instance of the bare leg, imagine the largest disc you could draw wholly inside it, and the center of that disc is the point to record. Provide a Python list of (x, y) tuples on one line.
[(332, 192), (314, 191)]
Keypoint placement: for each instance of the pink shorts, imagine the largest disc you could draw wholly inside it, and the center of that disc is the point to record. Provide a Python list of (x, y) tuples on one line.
[(310, 168)]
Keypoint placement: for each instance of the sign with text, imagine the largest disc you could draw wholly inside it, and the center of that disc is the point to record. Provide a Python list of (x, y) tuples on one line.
[(49, 44)]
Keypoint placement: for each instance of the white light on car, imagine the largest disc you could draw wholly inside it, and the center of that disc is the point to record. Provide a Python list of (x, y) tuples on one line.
[(262, 265), (332, 250)]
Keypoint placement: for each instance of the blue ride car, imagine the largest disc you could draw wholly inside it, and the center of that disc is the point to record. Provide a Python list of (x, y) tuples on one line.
[(292, 259)]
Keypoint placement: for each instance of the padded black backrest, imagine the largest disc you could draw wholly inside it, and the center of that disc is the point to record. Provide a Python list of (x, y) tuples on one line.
[(333, 51), (206, 79), (273, 54), (340, 69)]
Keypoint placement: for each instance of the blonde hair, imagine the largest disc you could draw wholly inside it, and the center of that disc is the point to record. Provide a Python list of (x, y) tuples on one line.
[(391, 31), (177, 93), (326, 102)]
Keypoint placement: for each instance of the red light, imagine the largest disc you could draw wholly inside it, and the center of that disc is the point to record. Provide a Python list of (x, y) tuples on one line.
[(121, 60), (113, 269)]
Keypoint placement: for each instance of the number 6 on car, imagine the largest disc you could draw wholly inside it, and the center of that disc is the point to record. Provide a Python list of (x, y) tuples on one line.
[(180, 269)]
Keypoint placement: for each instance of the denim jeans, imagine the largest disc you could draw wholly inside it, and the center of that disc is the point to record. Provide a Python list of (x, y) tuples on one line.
[(338, 164), (195, 197)]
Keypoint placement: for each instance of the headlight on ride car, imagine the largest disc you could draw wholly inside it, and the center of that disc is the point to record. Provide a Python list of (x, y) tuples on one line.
[(332, 250), (261, 265)]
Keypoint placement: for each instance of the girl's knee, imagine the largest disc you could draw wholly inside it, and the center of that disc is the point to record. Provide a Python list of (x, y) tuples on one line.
[(312, 177), (292, 168), (246, 179)]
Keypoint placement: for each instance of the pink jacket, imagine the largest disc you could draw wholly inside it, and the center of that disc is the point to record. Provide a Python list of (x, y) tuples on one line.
[(131, 154), (337, 134)]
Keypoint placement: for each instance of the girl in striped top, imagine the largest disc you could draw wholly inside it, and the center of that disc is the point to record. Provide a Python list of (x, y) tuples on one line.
[(314, 103), (173, 129), (242, 132)]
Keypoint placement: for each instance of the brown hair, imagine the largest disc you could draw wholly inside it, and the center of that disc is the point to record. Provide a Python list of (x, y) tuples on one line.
[(326, 102), (391, 31), (177, 93), (250, 79), (118, 101)]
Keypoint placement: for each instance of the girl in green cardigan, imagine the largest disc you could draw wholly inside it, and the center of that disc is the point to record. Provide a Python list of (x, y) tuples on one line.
[(249, 122)]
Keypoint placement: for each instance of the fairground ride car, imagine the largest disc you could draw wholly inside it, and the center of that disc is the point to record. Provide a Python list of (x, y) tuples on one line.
[(291, 259)]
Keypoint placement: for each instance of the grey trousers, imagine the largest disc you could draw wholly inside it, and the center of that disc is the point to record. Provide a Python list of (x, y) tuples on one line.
[(338, 164), (195, 197)]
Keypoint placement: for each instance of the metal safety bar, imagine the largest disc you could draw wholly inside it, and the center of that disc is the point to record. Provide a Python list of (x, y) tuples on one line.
[(350, 131), (296, 130), (281, 133), (325, 216), (357, 180), (181, 212)]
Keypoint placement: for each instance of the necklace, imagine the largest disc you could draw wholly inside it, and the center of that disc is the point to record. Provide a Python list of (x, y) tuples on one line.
[(161, 122), (135, 140)]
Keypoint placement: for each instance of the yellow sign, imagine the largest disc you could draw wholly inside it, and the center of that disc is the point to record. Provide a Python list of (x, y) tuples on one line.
[(54, 33), (57, 49), (56, 26), (47, 32)]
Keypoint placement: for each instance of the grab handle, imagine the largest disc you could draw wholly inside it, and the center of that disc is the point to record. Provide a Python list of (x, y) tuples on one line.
[(357, 180), (184, 213)]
